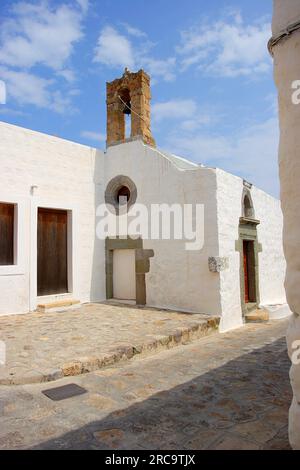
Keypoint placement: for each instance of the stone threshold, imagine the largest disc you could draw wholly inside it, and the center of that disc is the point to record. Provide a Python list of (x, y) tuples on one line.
[(121, 352), (260, 315), (58, 305)]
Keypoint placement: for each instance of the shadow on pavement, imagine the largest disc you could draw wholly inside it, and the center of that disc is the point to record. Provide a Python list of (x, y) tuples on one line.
[(242, 404)]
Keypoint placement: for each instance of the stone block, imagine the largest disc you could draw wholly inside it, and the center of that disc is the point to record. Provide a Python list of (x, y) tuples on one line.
[(217, 264)]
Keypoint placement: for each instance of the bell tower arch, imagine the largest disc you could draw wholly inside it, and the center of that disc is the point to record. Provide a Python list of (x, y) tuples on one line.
[(129, 95)]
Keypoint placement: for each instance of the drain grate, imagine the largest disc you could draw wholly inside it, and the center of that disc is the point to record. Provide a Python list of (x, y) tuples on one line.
[(63, 392)]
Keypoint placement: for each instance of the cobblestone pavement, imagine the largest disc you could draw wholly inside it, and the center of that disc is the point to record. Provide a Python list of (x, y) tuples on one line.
[(43, 347), (227, 391)]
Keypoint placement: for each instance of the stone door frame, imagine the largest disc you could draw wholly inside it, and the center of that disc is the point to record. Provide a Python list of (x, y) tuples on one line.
[(142, 264), (248, 232)]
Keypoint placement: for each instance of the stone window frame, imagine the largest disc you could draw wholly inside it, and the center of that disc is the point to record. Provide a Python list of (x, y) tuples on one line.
[(247, 212), (18, 266), (248, 232), (113, 187), (9, 253)]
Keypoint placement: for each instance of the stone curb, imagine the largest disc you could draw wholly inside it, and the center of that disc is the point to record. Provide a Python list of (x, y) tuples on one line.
[(121, 352)]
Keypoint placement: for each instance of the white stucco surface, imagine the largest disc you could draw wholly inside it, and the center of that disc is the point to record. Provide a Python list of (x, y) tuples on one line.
[(272, 264), (66, 176), (45, 171), (178, 278), (229, 212), (269, 235), (286, 71), (285, 13)]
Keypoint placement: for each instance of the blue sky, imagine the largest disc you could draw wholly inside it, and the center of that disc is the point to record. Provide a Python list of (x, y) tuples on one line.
[(213, 97)]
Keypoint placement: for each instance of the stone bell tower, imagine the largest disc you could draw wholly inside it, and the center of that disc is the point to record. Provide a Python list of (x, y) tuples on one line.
[(130, 95)]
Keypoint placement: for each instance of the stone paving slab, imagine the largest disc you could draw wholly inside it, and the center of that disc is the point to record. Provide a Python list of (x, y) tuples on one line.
[(44, 347), (225, 391)]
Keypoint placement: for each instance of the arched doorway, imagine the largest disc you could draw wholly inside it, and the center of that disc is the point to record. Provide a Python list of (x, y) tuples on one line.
[(249, 248)]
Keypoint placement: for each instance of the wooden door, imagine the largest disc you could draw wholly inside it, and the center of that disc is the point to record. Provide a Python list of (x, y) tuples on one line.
[(52, 252), (246, 272), (6, 234)]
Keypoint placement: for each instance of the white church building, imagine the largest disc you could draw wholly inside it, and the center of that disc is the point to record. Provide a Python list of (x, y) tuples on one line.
[(50, 192)]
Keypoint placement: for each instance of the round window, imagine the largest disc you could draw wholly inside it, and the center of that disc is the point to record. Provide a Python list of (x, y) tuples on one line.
[(123, 195), (120, 191)]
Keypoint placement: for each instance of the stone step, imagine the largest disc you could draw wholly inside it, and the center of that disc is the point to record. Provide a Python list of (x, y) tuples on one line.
[(257, 315), (58, 305), (149, 344)]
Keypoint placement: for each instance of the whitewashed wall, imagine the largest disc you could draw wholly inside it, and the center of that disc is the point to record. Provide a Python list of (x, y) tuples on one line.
[(286, 71), (272, 262), (67, 176), (229, 212), (177, 278), (74, 177), (269, 234)]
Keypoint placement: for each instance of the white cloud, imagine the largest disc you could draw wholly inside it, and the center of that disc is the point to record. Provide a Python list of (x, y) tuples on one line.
[(187, 112), (61, 102), (164, 69), (255, 152), (272, 103), (227, 48), (117, 50), (84, 5), (39, 34), (26, 88), (11, 112), (114, 49), (134, 31), (67, 74), (29, 89), (174, 109), (251, 152), (95, 136), (2, 92), (202, 148), (200, 119), (74, 92)]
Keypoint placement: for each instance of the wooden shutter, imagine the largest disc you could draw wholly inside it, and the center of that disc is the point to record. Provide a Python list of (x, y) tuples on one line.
[(7, 212), (52, 266)]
